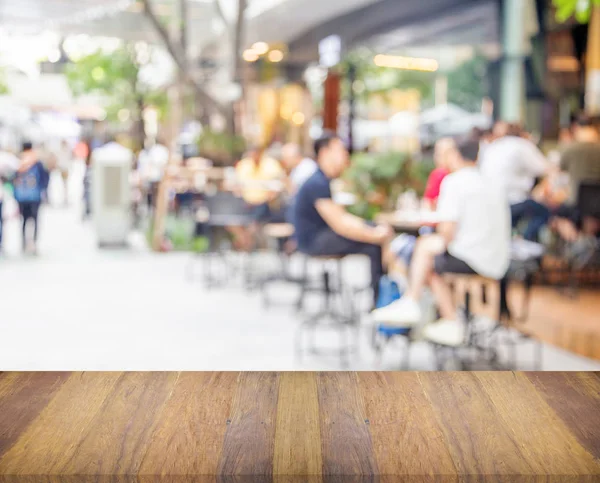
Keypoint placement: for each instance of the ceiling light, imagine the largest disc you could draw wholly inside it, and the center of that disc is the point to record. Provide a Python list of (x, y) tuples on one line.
[(261, 48), (275, 56), (563, 63), (250, 55), (298, 118), (406, 63)]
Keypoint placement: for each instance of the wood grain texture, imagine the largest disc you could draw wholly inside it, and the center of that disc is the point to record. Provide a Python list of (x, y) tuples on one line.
[(401, 416), (50, 442), (249, 440), (189, 435), (298, 432), (22, 397), (544, 443), (117, 437), (477, 441), (345, 438), (299, 427), (575, 398)]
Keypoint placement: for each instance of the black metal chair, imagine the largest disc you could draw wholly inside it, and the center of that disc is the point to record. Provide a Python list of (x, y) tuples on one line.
[(344, 317), (278, 234), (223, 209)]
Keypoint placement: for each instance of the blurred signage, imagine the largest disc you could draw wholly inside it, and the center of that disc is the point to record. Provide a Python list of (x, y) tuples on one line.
[(330, 51)]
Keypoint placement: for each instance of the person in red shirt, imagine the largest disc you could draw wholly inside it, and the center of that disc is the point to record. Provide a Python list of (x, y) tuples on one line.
[(443, 148)]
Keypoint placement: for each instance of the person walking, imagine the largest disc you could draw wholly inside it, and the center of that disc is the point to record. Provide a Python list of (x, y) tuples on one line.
[(30, 182)]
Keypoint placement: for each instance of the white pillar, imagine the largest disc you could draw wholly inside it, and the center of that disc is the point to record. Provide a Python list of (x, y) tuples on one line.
[(512, 92)]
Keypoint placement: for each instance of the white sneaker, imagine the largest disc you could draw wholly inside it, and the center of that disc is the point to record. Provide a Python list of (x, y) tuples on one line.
[(450, 333), (405, 312)]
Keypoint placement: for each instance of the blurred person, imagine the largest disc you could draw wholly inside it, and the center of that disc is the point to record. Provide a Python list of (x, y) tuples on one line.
[(516, 164), (64, 159), (325, 228), (580, 161), (30, 182), (152, 162), (300, 168), (403, 246), (9, 164), (87, 179), (253, 173), (441, 154), (472, 238)]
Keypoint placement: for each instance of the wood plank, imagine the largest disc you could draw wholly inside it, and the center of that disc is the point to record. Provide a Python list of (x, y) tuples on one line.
[(118, 436), (575, 398), (189, 436), (298, 434), (23, 396), (51, 440), (401, 420), (548, 446), (346, 442), (479, 441), (249, 440)]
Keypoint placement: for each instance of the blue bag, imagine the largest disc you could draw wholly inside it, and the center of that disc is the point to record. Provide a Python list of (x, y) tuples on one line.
[(388, 292)]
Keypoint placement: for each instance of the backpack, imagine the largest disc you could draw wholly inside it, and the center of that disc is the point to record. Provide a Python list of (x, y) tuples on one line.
[(29, 185)]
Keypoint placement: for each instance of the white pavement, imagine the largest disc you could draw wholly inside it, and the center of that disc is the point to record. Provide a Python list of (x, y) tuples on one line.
[(75, 307)]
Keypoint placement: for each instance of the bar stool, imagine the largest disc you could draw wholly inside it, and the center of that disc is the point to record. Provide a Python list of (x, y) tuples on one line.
[(342, 318), (278, 233), (481, 296), (477, 296)]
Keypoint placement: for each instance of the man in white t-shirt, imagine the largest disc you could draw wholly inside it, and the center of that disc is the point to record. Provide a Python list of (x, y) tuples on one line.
[(152, 163), (514, 163), (298, 167), (473, 236)]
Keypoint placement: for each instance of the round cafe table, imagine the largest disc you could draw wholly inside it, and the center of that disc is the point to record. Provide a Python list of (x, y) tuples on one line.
[(408, 220)]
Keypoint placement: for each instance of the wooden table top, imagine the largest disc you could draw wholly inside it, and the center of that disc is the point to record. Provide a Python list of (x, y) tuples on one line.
[(408, 220), (491, 426)]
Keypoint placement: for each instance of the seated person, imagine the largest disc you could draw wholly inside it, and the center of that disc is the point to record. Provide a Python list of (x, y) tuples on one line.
[(515, 163), (474, 237), (252, 173), (299, 169), (581, 161), (326, 228), (403, 246), (443, 149)]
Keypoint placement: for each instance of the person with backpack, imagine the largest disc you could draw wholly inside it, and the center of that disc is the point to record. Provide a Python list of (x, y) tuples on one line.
[(29, 185)]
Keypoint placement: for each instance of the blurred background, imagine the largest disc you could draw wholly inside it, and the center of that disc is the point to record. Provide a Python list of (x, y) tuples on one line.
[(139, 112)]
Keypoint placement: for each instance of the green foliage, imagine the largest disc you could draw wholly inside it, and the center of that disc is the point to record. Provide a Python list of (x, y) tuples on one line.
[(220, 147), (467, 83), (580, 9), (115, 76), (386, 174)]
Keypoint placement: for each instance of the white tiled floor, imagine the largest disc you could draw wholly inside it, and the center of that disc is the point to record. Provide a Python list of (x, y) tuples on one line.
[(77, 308)]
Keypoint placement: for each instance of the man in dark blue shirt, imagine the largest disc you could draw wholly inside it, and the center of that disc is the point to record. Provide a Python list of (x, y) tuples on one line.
[(325, 228)]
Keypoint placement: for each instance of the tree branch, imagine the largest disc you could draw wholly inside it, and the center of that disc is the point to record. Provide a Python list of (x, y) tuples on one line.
[(178, 56), (238, 41)]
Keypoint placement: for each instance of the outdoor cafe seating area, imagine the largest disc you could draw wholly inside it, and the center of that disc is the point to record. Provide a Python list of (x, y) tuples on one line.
[(498, 314)]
